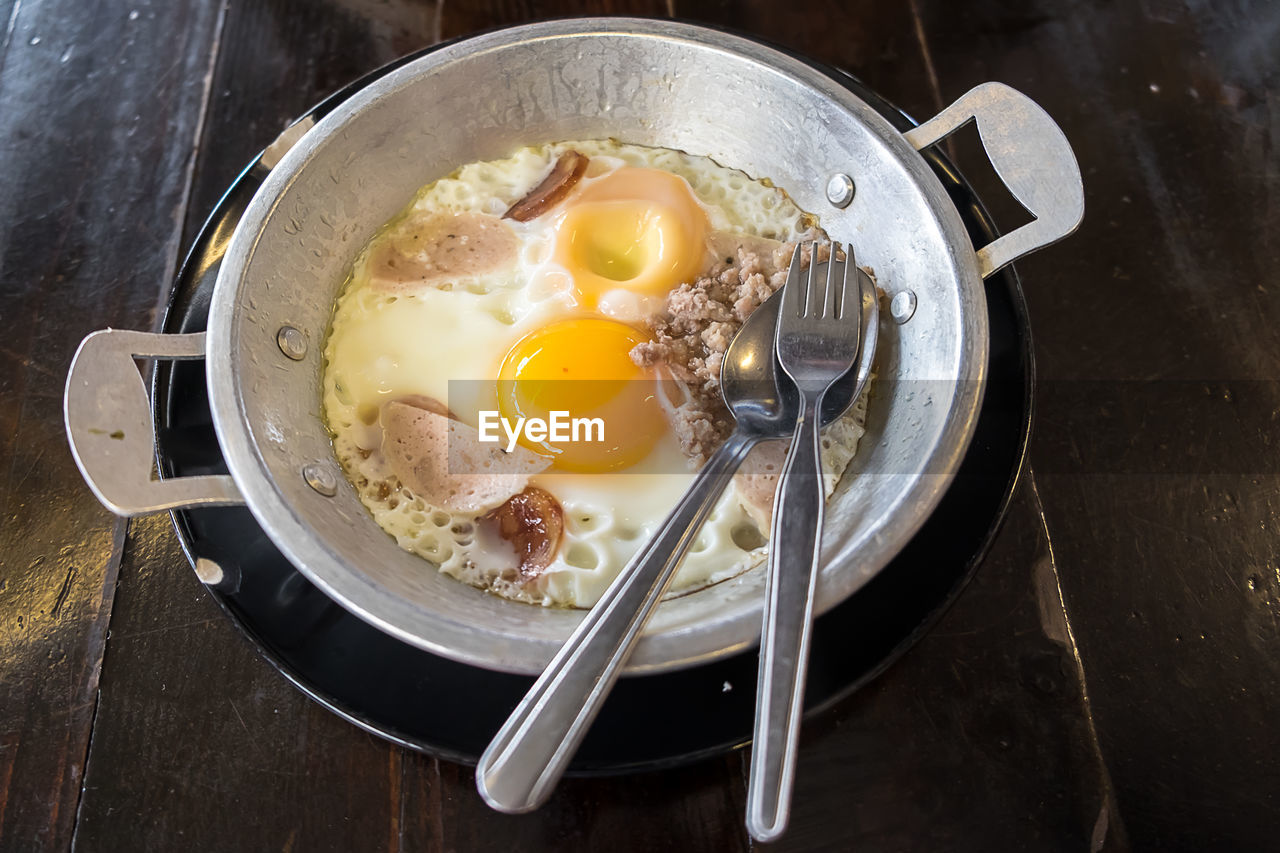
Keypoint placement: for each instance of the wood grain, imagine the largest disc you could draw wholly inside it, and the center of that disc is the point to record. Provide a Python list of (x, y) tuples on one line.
[(199, 743), (1157, 335), (95, 138), (696, 808), (459, 19), (875, 41), (278, 59)]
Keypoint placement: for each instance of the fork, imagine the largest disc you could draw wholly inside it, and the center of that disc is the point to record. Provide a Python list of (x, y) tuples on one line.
[(817, 341)]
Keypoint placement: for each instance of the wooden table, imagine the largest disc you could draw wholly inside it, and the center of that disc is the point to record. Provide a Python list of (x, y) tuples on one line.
[(1139, 559)]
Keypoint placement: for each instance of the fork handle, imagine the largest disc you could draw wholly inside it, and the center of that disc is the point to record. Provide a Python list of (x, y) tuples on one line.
[(526, 758), (795, 539)]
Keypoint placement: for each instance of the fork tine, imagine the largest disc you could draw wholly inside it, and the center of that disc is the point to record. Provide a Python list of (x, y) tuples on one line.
[(813, 298), (835, 281), (850, 274), (795, 297)]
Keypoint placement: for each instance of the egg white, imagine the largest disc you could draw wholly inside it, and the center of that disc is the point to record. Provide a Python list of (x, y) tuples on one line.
[(447, 342)]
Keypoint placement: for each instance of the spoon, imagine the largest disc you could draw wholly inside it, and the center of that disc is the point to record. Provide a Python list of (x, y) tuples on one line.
[(529, 754)]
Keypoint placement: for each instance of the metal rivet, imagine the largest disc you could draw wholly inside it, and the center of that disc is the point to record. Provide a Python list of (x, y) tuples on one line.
[(208, 571), (292, 342), (320, 478), (903, 306), (840, 190)]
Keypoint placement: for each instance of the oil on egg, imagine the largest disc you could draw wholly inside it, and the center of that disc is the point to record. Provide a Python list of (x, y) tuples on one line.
[(455, 305)]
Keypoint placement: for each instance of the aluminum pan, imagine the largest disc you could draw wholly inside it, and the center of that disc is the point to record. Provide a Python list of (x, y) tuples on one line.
[(641, 81)]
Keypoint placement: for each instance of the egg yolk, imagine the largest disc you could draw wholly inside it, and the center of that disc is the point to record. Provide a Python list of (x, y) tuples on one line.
[(582, 369), (636, 229)]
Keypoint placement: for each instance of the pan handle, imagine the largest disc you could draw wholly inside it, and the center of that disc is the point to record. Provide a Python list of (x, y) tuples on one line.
[(108, 417), (1031, 155)]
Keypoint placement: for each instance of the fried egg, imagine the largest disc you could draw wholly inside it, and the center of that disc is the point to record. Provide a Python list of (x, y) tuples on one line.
[(453, 304)]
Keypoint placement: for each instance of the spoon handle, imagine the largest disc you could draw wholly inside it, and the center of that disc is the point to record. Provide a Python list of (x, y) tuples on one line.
[(795, 539), (526, 758)]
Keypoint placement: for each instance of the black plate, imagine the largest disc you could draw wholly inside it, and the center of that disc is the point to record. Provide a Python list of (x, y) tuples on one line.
[(450, 709)]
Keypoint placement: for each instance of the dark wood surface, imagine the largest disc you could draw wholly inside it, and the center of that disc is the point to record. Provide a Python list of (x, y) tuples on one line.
[(1109, 679)]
